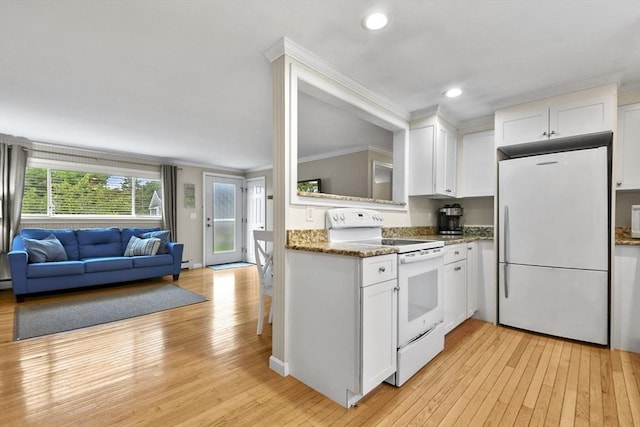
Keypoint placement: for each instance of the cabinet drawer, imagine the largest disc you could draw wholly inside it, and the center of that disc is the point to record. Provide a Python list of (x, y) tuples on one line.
[(378, 269), (455, 253)]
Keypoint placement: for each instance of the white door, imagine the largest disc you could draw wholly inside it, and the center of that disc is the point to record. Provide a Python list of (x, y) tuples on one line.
[(522, 127), (256, 208), (556, 301), (583, 117), (628, 148), (223, 219), (553, 210)]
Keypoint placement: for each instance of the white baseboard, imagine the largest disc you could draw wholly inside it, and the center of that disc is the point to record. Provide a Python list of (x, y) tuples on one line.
[(197, 265), (279, 366), (6, 284)]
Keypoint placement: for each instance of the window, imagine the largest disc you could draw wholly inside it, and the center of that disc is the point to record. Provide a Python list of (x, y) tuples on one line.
[(59, 190)]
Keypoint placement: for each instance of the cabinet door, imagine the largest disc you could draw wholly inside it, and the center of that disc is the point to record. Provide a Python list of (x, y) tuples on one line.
[(473, 279), (627, 166), (455, 295), (445, 162), (478, 165), (583, 117), (625, 334), (379, 333), (421, 148), (522, 126)]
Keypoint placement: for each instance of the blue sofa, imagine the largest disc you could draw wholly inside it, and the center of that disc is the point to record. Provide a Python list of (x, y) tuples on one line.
[(95, 256)]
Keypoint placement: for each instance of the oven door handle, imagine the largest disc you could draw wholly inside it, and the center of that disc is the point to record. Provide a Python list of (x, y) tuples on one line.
[(409, 259)]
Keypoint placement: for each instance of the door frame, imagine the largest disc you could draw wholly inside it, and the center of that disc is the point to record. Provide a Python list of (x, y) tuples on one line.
[(248, 233), (243, 213)]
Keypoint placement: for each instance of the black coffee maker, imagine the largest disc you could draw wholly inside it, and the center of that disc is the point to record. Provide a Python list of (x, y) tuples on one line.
[(450, 219)]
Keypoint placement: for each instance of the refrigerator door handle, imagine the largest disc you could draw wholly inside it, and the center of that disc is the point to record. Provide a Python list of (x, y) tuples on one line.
[(505, 229), (506, 283)]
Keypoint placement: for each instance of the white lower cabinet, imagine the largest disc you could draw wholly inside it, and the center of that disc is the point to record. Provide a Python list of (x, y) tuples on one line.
[(455, 286), (469, 283), (626, 299), (343, 322), (486, 285), (473, 278)]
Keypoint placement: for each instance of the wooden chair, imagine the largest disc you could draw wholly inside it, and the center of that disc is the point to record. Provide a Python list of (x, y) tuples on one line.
[(263, 241)]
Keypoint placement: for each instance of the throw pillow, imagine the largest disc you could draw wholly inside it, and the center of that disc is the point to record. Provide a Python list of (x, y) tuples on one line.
[(137, 246), (48, 249), (163, 235)]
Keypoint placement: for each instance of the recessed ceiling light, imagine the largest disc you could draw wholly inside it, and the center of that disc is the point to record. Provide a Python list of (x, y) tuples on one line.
[(375, 21), (453, 92)]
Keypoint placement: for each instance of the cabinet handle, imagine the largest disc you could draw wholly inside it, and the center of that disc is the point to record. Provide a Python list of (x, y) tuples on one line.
[(553, 132), (458, 268), (619, 183), (469, 248), (456, 253), (382, 270), (545, 133), (448, 191)]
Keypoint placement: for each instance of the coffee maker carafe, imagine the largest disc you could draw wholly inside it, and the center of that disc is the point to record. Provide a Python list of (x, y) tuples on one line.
[(450, 219)]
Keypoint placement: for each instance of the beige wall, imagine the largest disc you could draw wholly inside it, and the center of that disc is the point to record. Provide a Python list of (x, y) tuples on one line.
[(190, 220), (624, 201)]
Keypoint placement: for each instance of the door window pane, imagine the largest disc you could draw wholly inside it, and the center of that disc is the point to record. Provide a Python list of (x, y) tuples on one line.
[(224, 217)]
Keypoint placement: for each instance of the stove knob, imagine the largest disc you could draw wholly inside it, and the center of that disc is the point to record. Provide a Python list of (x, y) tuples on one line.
[(381, 217), (342, 217), (335, 217)]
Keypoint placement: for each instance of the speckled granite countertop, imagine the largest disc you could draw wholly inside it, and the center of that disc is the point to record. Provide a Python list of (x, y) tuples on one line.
[(623, 237), (317, 240)]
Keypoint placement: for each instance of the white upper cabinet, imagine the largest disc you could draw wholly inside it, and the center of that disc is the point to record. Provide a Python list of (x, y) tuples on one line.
[(552, 118), (478, 165), (433, 161), (522, 126), (581, 117), (627, 153)]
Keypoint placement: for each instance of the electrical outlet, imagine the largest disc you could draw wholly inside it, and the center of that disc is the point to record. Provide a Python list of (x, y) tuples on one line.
[(309, 214)]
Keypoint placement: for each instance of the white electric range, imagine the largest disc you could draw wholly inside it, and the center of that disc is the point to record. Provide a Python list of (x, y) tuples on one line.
[(420, 285)]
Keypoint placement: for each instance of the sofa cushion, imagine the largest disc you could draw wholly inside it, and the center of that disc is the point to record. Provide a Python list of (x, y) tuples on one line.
[(46, 250), (52, 269), (96, 265), (152, 261), (163, 235), (99, 242), (127, 232), (139, 246), (65, 236)]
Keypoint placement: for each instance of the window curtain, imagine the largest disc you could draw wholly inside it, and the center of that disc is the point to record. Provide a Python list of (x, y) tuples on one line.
[(13, 163), (169, 175)]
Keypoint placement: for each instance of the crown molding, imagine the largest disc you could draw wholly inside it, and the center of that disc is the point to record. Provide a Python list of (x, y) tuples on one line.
[(484, 121), (549, 92), (287, 47)]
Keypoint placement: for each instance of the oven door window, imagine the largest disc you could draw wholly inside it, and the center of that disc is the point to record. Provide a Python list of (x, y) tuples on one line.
[(420, 298), (423, 294)]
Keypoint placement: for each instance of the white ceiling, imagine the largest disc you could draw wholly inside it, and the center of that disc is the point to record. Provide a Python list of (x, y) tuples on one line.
[(188, 80)]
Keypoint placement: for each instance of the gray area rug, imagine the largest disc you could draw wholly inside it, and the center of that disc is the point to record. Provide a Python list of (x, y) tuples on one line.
[(49, 318), (230, 265)]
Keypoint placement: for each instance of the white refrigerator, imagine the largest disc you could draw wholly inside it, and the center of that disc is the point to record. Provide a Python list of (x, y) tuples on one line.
[(554, 244)]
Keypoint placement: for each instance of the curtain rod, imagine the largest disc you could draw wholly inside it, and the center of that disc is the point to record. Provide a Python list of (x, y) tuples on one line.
[(81, 156)]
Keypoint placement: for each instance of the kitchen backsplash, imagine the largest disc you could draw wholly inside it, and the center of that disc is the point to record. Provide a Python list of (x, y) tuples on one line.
[(299, 237)]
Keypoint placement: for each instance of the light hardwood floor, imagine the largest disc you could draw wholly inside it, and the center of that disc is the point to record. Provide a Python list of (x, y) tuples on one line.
[(204, 365)]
